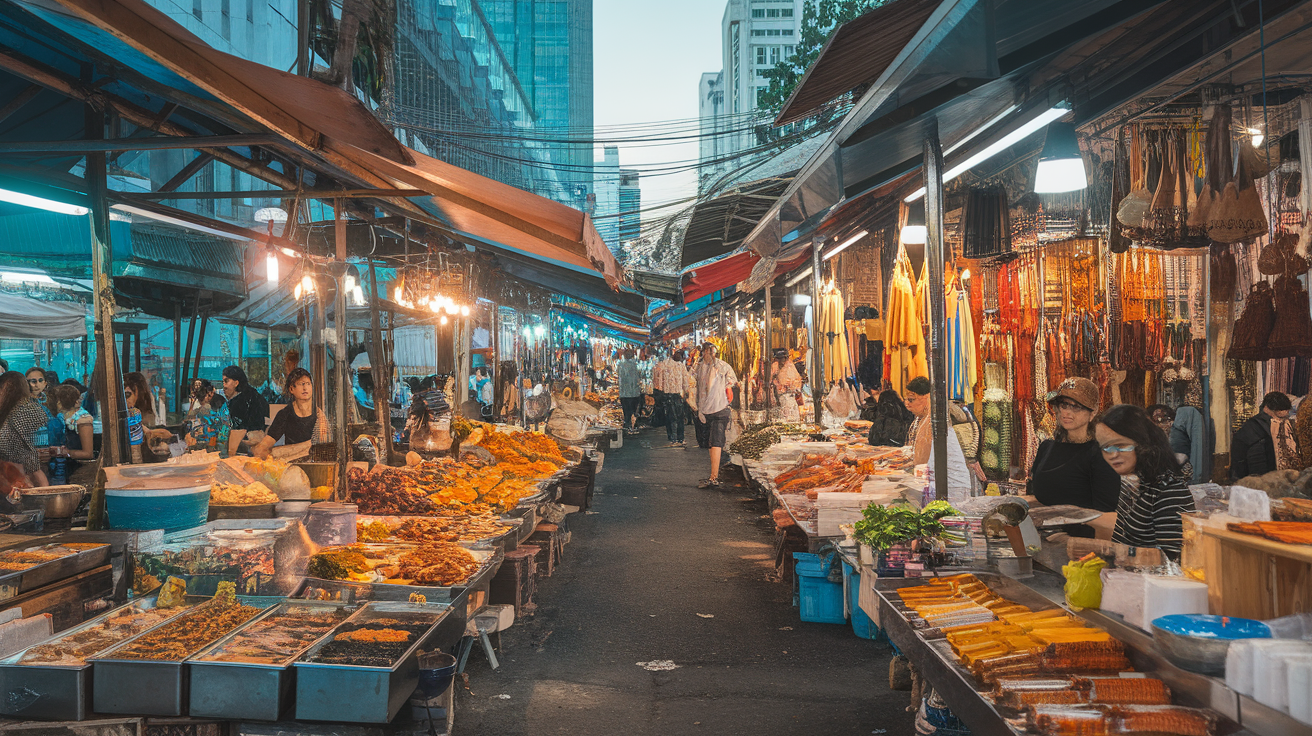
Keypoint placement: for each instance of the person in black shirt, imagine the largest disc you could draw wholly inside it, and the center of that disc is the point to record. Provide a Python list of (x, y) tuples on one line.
[(246, 407), (299, 422), (1069, 468)]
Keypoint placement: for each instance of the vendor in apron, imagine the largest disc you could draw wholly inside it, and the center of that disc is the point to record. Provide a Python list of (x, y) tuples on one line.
[(787, 385)]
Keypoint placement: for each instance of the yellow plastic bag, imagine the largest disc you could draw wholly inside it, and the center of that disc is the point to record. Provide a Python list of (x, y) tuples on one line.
[(1083, 582)]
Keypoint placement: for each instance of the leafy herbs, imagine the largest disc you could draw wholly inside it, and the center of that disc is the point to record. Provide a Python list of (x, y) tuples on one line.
[(882, 527)]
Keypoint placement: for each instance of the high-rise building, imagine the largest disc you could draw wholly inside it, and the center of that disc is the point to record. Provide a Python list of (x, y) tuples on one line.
[(606, 180), (630, 200), (549, 45), (754, 36)]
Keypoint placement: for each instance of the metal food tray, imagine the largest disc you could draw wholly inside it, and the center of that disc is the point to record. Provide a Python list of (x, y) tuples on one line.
[(149, 687), (357, 694), (349, 591), (507, 539), (44, 573), (248, 690), (51, 690)]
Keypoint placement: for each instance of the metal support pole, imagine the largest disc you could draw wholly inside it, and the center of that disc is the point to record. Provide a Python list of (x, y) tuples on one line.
[(935, 251), (342, 364), (765, 352), (817, 359), (382, 368), (179, 395), (184, 380)]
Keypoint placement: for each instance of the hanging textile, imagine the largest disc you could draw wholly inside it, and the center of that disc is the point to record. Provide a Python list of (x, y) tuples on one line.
[(832, 333), (961, 345), (904, 338)]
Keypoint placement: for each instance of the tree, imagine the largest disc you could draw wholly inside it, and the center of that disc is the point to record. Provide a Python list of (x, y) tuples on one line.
[(820, 18)]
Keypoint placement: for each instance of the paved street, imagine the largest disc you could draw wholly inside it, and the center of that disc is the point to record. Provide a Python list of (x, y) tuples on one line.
[(654, 553)]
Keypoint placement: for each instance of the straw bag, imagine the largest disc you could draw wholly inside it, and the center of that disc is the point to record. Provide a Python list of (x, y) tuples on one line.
[(1238, 215), (1291, 337), (1132, 209), (985, 223), (1117, 240), (1167, 217), (1253, 328), (1216, 150)]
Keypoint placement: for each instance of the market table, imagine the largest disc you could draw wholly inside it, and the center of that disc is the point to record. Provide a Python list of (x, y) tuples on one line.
[(936, 663)]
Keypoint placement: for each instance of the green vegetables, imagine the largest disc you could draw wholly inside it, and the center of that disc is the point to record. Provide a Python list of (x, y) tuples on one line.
[(882, 527)]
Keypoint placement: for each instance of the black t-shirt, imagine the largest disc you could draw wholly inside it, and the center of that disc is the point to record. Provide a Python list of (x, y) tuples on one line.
[(248, 410), (296, 429), (1070, 473)]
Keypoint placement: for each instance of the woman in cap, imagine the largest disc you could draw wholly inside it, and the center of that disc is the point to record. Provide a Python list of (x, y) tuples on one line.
[(1069, 469)]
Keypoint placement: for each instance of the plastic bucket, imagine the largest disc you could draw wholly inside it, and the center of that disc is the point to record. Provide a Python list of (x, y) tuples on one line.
[(436, 671), (172, 509), (820, 600), (862, 626)]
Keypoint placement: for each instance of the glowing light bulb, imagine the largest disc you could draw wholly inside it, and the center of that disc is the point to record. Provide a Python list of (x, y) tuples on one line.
[(357, 293), (450, 307), (297, 291), (435, 307), (307, 284), (350, 282), (271, 267), (464, 311), (444, 319), (399, 295)]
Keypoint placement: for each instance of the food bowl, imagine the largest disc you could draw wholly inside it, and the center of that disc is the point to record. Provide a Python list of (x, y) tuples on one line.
[(1199, 642), (58, 502)]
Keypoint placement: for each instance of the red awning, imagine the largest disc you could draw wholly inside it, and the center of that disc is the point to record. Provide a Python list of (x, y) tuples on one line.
[(729, 271)]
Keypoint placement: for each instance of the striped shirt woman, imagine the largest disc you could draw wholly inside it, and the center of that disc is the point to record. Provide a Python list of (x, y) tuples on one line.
[(1153, 490)]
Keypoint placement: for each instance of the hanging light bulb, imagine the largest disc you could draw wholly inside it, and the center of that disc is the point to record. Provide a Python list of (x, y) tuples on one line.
[(271, 266), (433, 305), (464, 311), (350, 278), (450, 307), (528, 332), (307, 284), (357, 293), (297, 291), (444, 319), (399, 295), (1257, 136), (1061, 167), (915, 232)]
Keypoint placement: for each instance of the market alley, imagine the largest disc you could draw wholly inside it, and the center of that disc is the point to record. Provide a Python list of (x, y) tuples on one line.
[(660, 570)]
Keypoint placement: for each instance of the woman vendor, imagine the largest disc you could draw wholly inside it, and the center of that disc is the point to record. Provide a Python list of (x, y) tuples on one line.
[(1153, 489), (298, 423), (787, 385), (1069, 469), (21, 417)]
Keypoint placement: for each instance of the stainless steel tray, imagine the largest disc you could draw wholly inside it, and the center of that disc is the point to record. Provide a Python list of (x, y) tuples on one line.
[(246, 690), (356, 694), (348, 591), (54, 691), (511, 531), (147, 687), (21, 581)]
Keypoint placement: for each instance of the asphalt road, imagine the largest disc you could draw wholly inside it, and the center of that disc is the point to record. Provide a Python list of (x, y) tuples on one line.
[(659, 570)]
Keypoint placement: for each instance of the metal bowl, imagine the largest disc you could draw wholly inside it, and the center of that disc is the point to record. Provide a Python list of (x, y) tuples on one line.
[(1199, 642), (58, 502)]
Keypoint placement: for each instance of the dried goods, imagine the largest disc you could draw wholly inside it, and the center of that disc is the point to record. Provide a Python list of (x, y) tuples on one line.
[(364, 645), (233, 494), (445, 529), (388, 491), (374, 531), (279, 637), (73, 649), (172, 593), (438, 563), (337, 563), (390, 636), (190, 632)]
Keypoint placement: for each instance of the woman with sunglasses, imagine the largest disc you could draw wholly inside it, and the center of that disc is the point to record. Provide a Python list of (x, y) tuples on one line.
[(1068, 469), (1153, 488)]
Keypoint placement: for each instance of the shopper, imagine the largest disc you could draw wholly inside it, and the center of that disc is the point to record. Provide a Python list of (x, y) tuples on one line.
[(202, 395), (787, 385), (1153, 489), (1253, 447), (891, 421), (669, 379), (715, 382), (21, 417), (922, 438), (630, 390), (248, 410), (300, 422), (1069, 469)]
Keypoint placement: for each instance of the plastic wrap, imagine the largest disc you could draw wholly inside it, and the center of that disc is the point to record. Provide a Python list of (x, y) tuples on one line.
[(1296, 626), (1166, 596), (1249, 504), (262, 556), (1123, 593), (1271, 673)]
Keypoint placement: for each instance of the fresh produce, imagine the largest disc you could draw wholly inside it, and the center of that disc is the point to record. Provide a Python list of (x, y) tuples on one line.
[(882, 527)]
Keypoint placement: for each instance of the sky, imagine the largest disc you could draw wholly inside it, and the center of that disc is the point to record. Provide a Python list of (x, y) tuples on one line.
[(648, 58)]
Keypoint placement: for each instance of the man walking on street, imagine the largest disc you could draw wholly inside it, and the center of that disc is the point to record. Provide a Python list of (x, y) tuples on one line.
[(630, 391), (715, 382), (668, 379)]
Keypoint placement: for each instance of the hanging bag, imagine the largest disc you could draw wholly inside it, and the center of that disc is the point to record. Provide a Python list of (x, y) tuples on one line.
[(1216, 160), (1291, 337), (1132, 209), (1117, 240), (1238, 215), (1224, 273), (1253, 329)]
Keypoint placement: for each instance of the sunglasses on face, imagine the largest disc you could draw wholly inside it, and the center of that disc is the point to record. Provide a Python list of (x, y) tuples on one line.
[(1069, 406), (1117, 450)]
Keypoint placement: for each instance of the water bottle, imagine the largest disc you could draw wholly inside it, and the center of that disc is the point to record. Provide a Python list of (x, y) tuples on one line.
[(136, 435), (58, 463)]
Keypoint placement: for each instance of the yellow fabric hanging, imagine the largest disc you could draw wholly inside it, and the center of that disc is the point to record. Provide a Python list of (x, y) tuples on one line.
[(904, 338)]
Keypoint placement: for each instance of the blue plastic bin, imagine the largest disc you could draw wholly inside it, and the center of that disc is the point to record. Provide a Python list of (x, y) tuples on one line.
[(171, 509), (821, 601), (862, 626)]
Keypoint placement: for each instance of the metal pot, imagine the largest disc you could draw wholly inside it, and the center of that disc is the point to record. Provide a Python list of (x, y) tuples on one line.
[(58, 502)]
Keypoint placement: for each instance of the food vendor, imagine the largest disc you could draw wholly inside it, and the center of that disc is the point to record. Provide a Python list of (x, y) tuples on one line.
[(787, 384), (921, 438), (136, 395), (21, 417), (247, 409), (1069, 469), (298, 423), (1153, 488), (891, 421)]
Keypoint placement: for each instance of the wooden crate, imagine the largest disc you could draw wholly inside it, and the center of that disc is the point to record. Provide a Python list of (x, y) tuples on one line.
[(1251, 577), (516, 582)]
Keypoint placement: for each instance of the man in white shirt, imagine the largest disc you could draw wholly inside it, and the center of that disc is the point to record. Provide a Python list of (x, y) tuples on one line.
[(921, 441), (715, 382), (668, 380)]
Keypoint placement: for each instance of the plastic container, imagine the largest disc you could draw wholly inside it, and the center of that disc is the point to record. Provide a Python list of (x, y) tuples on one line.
[(1199, 643), (170, 509), (436, 671), (331, 524), (820, 600), (291, 509), (862, 626)]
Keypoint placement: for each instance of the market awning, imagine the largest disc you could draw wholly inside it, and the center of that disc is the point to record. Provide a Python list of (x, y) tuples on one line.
[(25, 318), (728, 272), (583, 286), (855, 55), (719, 225)]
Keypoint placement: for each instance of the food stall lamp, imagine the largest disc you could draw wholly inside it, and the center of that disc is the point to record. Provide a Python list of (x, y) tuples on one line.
[(451, 307), (270, 214), (843, 245), (297, 291), (540, 330), (357, 293), (434, 306), (398, 294), (528, 332), (350, 278), (801, 300), (464, 311), (1061, 167), (307, 284), (271, 266), (1257, 137), (443, 320), (915, 232)]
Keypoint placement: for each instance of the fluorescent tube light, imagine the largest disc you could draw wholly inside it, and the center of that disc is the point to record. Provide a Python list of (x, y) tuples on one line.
[(798, 277), (844, 244), (41, 203)]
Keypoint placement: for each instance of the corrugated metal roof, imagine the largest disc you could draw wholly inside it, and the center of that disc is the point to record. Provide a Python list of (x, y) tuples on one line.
[(196, 253)]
